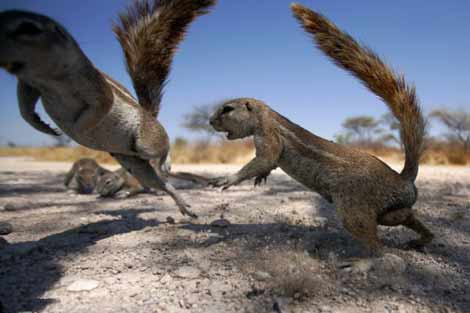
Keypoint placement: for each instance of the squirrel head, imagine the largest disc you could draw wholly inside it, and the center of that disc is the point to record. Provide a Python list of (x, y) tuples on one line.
[(238, 117), (109, 183), (33, 46), (86, 180)]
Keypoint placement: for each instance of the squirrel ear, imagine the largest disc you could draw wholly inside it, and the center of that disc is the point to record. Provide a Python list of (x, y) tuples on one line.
[(249, 107)]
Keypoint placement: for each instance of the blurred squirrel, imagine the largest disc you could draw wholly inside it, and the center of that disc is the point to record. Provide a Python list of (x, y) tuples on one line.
[(121, 184), (88, 105), (84, 175)]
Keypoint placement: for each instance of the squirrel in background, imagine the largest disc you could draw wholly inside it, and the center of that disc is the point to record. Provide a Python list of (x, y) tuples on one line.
[(84, 176)]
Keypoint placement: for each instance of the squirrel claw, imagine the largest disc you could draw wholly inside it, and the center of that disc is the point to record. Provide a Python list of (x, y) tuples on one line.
[(184, 209), (56, 132), (260, 179), (356, 266), (225, 182), (217, 182), (122, 194), (189, 213)]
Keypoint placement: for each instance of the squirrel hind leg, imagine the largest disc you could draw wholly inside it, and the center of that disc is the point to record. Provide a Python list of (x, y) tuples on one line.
[(362, 225), (426, 236), (405, 217), (143, 171), (395, 217)]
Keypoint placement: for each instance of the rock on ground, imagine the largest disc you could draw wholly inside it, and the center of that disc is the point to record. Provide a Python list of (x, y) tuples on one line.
[(83, 285)]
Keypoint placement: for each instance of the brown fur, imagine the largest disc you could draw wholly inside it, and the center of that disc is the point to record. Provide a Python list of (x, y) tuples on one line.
[(365, 191), (122, 184), (119, 183), (197, 179), (149, 33), (87, 105), (378, 77), (84, 175), (151, 44), (122, 91)]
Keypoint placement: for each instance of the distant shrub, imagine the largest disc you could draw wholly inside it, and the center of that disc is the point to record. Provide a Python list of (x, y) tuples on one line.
[(205, 151), (60, 154), (239, 151)]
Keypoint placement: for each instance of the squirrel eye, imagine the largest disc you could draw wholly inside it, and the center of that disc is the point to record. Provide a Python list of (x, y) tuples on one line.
[(227, 109), (27, 28)]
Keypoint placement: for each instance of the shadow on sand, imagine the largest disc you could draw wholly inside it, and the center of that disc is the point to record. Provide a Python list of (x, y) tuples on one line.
[(28, 269)]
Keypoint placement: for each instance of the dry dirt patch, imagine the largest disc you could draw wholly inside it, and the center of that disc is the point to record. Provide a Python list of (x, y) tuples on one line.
[(274, 248)]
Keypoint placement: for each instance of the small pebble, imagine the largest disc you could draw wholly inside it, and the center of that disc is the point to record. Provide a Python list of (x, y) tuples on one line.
[(9, 207), (5, 228), (83, 285), (261, 275), (188, 272)]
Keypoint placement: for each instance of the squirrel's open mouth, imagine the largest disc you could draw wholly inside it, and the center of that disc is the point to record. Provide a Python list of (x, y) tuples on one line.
[(12, 67), (228, 134)]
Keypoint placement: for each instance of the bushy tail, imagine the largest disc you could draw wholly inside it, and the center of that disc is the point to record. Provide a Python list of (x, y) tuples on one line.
[(149, 33), (377, 76)]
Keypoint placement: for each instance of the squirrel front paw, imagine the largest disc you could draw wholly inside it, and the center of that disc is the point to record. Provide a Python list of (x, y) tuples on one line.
[(261, 178), (122, 194), (224, 181)]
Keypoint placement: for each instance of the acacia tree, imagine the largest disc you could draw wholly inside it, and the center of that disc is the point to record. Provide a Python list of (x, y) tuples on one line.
[(362, 129), (457, 123), (393, 128)]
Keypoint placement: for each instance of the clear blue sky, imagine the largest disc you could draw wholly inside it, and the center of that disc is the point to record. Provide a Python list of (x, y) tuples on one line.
[(255, 48)]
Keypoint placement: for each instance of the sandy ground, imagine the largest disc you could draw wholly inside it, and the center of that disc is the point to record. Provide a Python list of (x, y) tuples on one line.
[(278, 248)]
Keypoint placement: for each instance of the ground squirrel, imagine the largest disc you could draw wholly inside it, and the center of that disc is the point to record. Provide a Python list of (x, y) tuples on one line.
[(119, 184), (84, 175), (365, 191), (122, 184), (85, 103)]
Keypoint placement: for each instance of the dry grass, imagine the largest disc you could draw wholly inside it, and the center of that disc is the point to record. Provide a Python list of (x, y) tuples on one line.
[(220, 152), (443, 154), (59, 154), (181, 152), (446, 154), (240, 151)]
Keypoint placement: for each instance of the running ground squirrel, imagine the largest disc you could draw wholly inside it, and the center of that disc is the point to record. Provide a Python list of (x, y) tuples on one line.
[(365, 191), (84, 175), (85, 103)]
